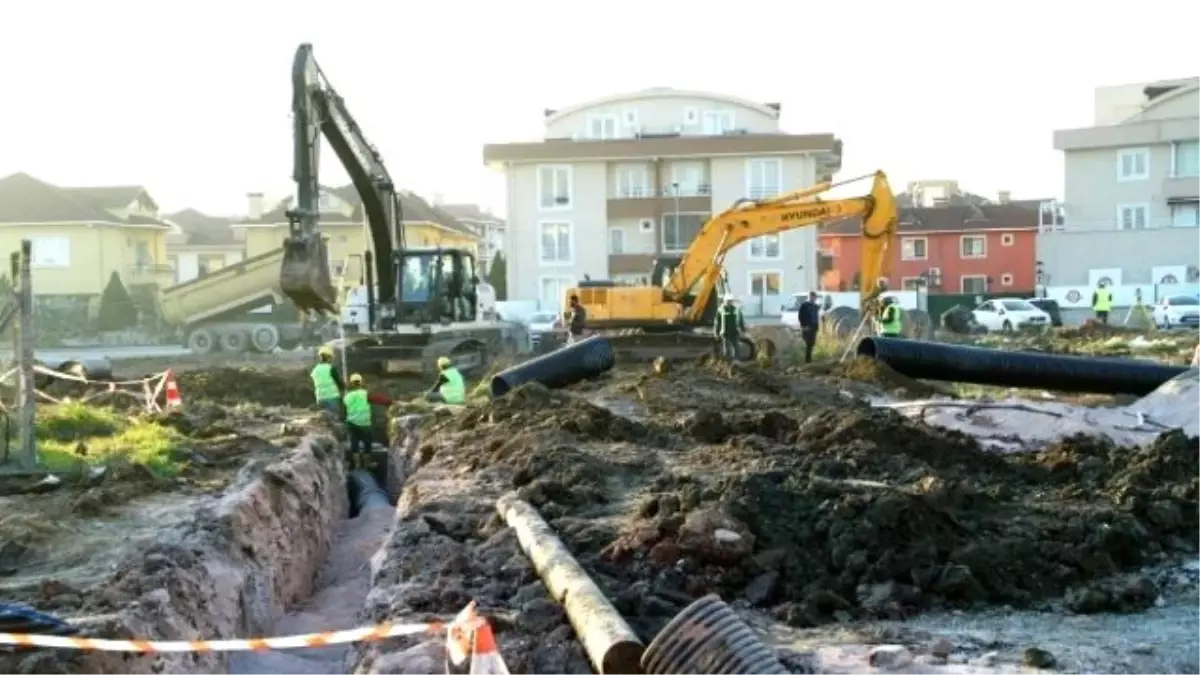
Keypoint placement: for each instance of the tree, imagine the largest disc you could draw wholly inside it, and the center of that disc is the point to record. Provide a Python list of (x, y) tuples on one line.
[(498, 276), (117, 311)]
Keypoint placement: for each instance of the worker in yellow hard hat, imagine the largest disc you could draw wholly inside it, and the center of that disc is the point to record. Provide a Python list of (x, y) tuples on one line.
[(358, 419), (450, 386), (327, 382)]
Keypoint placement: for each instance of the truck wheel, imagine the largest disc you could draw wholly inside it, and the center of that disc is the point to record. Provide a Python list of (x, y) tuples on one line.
[(235, 341), (264, 338), (201, 341)]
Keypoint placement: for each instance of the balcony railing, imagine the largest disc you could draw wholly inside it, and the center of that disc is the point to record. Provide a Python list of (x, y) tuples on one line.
[(148, 273), (647, 192)]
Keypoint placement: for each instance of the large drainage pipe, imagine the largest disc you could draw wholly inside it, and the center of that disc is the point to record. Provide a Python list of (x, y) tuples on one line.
[(708, 638), (561, 367), (365, 491), (957, 363)]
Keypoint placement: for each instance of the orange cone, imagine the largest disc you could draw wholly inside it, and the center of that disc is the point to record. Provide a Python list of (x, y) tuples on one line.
[(174, 400)]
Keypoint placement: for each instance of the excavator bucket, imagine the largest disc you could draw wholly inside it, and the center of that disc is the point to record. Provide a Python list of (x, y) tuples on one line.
[(305, 277)]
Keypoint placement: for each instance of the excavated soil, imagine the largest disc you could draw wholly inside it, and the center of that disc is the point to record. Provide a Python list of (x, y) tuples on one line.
[(778, 492)]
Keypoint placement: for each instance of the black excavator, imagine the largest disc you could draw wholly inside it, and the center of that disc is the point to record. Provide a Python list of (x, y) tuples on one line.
[(422, 303)]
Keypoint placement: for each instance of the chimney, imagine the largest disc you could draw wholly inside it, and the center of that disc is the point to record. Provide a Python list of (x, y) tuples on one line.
[(1004, 196), (254, 205)]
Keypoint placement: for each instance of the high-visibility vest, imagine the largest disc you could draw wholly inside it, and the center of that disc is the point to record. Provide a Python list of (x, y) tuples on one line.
[(358, 408), (455, 388), (324, 385), (892, 322), (729, 320), (1103, 300)]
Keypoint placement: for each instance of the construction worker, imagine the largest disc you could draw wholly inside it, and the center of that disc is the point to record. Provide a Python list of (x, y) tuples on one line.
[(1102, 299), (577, 320), (450, 386), (809, 317), (358, 419), (891, 319), (729, 327), (327, 382)]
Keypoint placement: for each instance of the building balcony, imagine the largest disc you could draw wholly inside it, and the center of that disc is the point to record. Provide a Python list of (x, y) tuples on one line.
[(646, 202), (148, 274), (1181, 188)]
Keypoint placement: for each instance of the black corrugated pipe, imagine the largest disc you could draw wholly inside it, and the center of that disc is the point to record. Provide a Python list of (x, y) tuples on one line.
[(366, 491), (957, 363), (709, 637), (561, 367)]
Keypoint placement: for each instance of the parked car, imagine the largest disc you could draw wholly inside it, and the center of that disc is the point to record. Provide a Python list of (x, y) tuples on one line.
[(1009, 314), (1178, 311), (540, 323), (1051, 308)]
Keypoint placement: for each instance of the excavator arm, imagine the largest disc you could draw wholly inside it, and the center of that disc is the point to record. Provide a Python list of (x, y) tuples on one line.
[(700, 268), (318, 111)]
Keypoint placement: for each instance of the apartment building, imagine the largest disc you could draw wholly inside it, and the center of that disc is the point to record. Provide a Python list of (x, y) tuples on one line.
[(1132, 187), (620, 180)]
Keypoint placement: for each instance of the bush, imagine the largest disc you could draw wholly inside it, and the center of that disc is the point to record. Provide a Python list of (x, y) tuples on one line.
[(117, 310), (498, 276)]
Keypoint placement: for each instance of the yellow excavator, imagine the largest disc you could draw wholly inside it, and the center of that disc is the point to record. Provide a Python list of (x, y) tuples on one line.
[(668, 318)]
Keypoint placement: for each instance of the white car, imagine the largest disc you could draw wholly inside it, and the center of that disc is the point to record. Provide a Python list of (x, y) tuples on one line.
[(540, 323), (1009, 314), (789, 315), (1176, 311)]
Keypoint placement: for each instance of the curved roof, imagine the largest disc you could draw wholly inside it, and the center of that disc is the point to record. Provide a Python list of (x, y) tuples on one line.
[(1157, 101), (662, 92)]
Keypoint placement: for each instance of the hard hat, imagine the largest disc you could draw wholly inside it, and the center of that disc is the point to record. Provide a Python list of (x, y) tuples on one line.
[(325, 351), (356, 379), (443, 362), (730, 298)]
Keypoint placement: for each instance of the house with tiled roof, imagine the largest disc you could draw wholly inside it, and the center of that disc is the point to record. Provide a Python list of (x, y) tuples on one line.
[(201, 244), (81, 235), (343, 222), (489, 227), (959, 249)]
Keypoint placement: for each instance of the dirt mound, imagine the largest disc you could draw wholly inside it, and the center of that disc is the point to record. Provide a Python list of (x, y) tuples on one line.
[(874, 372), (233, 386), (1092, 330)]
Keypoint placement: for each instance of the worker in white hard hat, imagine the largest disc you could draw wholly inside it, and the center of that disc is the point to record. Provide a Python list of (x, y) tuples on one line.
[(729, 327), (450, 386), (327, 382)]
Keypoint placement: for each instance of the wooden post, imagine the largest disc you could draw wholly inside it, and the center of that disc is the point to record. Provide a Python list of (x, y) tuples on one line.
[(26, 341)]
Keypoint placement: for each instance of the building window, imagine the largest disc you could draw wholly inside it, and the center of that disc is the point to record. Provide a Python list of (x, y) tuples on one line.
[(552, 292), (1006, 279), (1133, 216), (1185, 215), (717, 122), (633, 182), (766, 288), (911, 283), (766, 247), (1185, 159), (914, 248), (557, 247), (764, 178), (603, 127), (973, 246), (1133, 164), (1007, 239), (616, 241), (687, 180), (691, 116), (679, 229), (554, 188), (976, 284), (50, 251)]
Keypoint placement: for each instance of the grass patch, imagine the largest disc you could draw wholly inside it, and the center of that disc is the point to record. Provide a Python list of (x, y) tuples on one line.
[(72, 432)]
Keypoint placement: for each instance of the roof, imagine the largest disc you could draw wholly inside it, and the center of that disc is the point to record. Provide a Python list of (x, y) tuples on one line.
[(771, 110), (413, 209), (28, 200), (983, 218), (202, 229), (471, 212)]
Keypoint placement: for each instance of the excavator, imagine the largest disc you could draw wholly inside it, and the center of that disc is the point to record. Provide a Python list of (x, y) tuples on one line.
[(663, 318), (430, 301)]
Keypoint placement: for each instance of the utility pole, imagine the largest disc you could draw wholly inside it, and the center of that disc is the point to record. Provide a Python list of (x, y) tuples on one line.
[(26, 340)]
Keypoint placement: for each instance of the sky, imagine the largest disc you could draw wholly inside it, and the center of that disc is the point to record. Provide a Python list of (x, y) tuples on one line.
[(192, 100)]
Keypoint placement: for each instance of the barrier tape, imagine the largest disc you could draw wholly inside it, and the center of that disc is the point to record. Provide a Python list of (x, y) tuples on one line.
[(151, 387)]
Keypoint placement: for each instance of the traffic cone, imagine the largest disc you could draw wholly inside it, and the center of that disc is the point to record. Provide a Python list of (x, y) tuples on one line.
[(174, 400)]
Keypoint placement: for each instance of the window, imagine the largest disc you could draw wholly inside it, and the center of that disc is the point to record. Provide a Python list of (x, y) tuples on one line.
[(764, 178), (1006, 279), (552, 292), (766, 284), (973, 246), (717, 122), (557, 245), (766, 247), (603, 127), (554, 188), (914, 248), (1007, 239), (691, 116), (631, 119), (50, 252), (973, 283), (1133, 216), (1133, 164), (1185, 215), (689, 179), (679, 229), (1185, 159), (646, 226), (616, 241), (633, 182), (911, 283)]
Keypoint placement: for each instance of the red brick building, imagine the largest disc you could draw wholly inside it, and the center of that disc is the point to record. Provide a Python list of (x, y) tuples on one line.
[(963, 249)]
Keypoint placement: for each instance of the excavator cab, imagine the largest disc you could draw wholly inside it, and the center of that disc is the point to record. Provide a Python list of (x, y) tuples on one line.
[(304, 276), (435, 286)]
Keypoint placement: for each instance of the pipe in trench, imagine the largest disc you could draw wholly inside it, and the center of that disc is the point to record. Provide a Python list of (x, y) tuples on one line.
[(561, 367), (959, 363), (366, 491)]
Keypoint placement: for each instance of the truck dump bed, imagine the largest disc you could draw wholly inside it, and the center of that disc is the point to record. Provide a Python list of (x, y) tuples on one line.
[(246, 285)]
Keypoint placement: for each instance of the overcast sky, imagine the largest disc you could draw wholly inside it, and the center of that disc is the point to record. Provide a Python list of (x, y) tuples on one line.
[(192, 100)]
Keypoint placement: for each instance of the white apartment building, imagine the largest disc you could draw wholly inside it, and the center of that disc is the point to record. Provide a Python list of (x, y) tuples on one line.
[(621, 180), (1132, 190)]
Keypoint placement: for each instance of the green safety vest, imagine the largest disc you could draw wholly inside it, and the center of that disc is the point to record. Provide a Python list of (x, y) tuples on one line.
[(892, 322), (1103, 300), (323, 383), (455, 389), (358, 408)]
